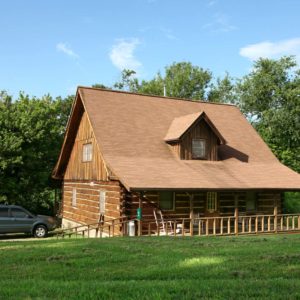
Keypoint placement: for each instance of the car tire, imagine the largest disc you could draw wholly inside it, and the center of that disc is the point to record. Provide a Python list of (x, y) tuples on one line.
[(40, 231)]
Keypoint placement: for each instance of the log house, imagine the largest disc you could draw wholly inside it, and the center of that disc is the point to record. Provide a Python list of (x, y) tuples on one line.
[(188, 158)]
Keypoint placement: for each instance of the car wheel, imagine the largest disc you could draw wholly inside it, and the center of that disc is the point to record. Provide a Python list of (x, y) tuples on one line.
[(40, 231)]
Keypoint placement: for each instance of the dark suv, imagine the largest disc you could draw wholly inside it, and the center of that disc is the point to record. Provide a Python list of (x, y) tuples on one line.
[(16, 219)]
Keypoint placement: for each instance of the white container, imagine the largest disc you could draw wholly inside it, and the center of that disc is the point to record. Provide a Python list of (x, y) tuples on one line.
[(131, 228)]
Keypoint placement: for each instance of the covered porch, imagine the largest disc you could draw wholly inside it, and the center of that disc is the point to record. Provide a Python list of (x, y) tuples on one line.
[(209, 212)]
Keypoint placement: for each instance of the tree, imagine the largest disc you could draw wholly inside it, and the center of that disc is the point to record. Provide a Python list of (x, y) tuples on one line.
[(31, 134), (181, 80), (128, 81), (270, 97), (223, 91), (100, 86)]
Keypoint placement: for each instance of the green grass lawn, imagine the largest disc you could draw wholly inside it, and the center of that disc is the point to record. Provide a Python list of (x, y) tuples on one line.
[(152, 268)]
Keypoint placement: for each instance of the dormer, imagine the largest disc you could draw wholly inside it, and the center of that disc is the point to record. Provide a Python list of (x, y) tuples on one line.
[(194, 136)]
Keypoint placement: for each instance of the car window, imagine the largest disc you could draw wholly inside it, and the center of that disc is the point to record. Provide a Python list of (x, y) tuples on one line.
[(18, 213), (3, 212)]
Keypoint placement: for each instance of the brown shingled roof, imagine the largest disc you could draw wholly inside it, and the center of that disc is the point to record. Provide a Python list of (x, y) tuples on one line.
[(130, 130)]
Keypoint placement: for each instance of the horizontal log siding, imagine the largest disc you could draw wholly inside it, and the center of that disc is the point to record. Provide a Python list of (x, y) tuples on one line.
[(265, 202), (76, 168), (87, 208), (226, 202)]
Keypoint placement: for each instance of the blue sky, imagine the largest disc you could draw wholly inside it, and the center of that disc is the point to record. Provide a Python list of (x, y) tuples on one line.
[(53, 46)]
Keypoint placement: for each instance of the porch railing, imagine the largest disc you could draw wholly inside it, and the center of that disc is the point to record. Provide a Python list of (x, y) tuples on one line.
[(111, 228), (206, 226), (225, 225)]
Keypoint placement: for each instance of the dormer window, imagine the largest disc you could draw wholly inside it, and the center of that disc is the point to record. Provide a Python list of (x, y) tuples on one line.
[(194, 136), (199, 148), (87, 152)]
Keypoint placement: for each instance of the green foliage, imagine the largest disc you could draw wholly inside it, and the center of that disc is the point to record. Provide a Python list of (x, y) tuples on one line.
[(223, 91), (269, 86), (100, 86), (257, 267), (31, 133), (128, 81), (181, 80), (270, 96), (291, 203)]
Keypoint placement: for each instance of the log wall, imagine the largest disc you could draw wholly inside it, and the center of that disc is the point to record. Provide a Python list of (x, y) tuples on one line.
[(266, 201), (87, 208)]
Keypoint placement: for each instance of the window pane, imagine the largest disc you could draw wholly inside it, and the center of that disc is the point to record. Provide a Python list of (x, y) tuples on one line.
[(166, 200), (251, 201), (102, 202), (87, 152), (198, 148), (18, 213), (211, 201), (3, 212), (74, 200)]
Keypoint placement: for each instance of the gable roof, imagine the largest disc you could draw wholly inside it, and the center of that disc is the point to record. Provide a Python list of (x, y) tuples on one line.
[(181, 125), (130, 130)]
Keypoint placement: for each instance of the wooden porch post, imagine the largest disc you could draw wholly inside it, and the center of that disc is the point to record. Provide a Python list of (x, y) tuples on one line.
[(275, 214), (236, 214), (140, 220), (191, 196)]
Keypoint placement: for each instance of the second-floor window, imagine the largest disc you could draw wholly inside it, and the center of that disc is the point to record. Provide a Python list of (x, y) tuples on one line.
[(87, 152), (198, 148)]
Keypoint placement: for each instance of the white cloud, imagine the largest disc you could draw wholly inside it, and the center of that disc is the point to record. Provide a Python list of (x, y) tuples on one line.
[(62, 47), (269, 49), (122, 54), (220, 23)]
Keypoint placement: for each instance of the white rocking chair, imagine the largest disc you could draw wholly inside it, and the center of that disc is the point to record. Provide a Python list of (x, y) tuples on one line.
[(163, 226)]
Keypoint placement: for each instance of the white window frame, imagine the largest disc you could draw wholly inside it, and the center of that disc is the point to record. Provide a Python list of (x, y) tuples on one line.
[(87, 152), (74, 197), (203, 148), (212, 201), (102, 202)]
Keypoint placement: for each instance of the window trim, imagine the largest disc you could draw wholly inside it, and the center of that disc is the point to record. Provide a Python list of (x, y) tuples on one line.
[(173, 201), (205, 149), (87, 156)]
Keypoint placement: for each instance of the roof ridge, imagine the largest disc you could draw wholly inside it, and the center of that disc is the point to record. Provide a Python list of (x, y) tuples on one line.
[(154, 96)]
